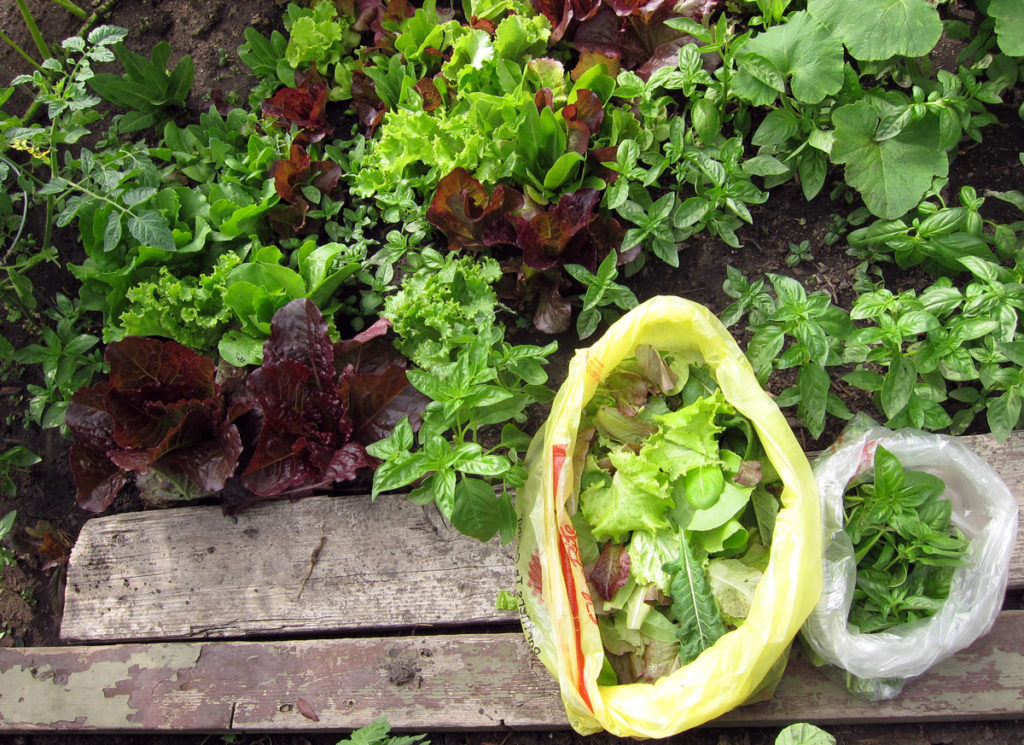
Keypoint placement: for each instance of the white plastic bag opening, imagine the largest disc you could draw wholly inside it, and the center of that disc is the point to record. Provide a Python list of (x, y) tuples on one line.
[(983, 508)]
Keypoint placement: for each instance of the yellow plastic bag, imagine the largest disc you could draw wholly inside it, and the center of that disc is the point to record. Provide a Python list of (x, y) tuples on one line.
[(558, 616)]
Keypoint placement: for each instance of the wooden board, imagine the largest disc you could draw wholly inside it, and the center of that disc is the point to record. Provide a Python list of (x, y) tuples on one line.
[(319, 564), (193, 573), (455, 682)]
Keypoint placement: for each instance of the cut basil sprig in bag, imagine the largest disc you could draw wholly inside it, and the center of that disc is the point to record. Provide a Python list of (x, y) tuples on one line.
[(906, 549)]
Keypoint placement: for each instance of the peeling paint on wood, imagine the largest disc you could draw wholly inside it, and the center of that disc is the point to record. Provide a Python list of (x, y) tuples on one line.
[(384, 564), (453, 682), (92, 688)]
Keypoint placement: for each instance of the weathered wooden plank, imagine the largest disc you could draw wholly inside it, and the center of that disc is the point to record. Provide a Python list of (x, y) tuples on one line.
[(1008, 461), (323, 564), (194, 573), (455, 682), (984, 681)]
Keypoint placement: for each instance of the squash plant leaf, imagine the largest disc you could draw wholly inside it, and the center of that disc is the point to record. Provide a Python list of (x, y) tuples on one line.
[(1009, 17), (881, 29), (802, 50), (892, 174)]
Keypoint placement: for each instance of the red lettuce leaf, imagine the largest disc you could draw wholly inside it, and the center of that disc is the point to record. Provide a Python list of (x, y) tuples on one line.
[(298, 332), (304, 442), (88, 419), (544, 237), (303, 106), (292, 174), (634, 32), (161, 410), (611, 570), (170, 371), (97, 480), (469, 216), (583, 120), (554, 312), (428, 91), (369, 106), (378, 390), (591, 58), (561, 13)]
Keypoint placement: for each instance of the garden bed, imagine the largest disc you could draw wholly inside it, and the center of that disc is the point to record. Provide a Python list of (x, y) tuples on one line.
[(773, 242)]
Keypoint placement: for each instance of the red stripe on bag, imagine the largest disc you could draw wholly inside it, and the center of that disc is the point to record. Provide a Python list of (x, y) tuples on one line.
[(569, 555)]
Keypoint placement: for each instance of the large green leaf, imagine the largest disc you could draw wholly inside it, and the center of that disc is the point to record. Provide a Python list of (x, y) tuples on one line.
[(891, 175), (802, 50), (880, 29), (476, 511), (700, 622), (1009, 16), (150, 229)]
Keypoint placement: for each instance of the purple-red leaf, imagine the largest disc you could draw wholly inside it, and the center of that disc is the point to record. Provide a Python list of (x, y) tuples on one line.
[(173, 370), (429, 93), (292, 174), (469, 216), (88, 419), (611, 570), (545, 236), (369, 106), (161, 410), (587, 111), (305, 440), (378, 390), (97, 480), (298, 332), (561, 12), (303, 107), (554, 312)]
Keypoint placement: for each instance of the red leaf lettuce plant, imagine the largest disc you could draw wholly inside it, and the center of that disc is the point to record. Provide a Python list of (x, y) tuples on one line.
[(294, 425), (543, 240)]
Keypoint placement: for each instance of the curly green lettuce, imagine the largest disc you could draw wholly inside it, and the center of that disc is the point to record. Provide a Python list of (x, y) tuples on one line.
[(441, 307), (189, 310)]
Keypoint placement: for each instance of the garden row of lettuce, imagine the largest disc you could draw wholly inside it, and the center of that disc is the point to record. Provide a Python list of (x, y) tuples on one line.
[(436, 167)]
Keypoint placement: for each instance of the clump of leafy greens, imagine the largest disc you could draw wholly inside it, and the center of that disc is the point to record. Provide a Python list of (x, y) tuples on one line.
[(677, 505), (160, 419), (442, 307), (445, 317), (906, 549), (298, 423), (189, 310)]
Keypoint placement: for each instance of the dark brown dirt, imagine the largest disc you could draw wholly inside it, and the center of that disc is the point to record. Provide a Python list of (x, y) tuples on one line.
[(211, 30)]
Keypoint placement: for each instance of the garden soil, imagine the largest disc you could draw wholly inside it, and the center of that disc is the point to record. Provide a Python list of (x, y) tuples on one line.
[(210, 31)]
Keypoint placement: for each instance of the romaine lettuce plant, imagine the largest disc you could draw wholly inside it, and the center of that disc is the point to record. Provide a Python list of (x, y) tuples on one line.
[(160, 419)]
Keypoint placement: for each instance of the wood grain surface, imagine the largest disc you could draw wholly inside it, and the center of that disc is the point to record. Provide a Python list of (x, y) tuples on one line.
[(316, 565), (319, 565), (439, 682)]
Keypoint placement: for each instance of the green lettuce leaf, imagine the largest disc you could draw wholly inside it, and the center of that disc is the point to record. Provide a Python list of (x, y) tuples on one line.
[(636, 499), (687, 438), (648, 554), (700, 621), (733, 584)]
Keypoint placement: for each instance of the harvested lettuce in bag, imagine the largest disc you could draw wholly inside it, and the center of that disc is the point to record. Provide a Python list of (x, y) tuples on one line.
[(660, 519), (676, 493)]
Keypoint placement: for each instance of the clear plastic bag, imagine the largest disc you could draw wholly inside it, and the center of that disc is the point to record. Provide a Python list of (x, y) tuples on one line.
[(558, 616), (875, 666)]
